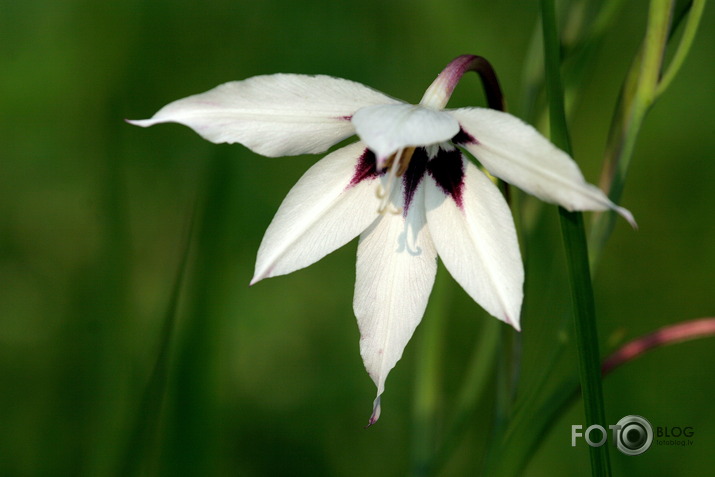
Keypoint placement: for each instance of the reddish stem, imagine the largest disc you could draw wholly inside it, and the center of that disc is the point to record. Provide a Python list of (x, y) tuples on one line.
[(699, 328)]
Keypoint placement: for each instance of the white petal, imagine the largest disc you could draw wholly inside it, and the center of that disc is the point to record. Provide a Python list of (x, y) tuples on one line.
[(514, 151), (477, 243), (320, 214), (274, 115), (387, 128), (396, 266)]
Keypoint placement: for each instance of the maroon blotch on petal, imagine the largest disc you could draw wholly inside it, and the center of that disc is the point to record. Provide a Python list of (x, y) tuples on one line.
[(463, 137), (365, 168), (447, 169), (413, 176)]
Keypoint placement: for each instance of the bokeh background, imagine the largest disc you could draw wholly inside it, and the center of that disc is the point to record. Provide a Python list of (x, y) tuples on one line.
[(95, 216)]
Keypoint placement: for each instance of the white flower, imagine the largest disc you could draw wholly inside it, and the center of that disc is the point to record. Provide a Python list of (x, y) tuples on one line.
[(406, 189)]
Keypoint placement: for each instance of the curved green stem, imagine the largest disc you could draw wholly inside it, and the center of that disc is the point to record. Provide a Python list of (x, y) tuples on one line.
[(691, 27), (643, 85)]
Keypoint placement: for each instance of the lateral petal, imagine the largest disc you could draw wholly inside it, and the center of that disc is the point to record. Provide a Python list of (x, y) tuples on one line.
[(387, 128), (330, 205), (396, 266), (274, 115), (477, 242), (514, 151)]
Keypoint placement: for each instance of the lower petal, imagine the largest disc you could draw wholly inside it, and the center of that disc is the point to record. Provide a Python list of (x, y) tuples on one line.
[(324, 210), (477, 243), (396, 266)]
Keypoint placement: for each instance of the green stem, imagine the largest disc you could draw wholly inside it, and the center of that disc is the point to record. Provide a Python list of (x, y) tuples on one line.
[(554, 86), (572, 230), (691, 27), (639, 91), (586, 330), (427, 382)]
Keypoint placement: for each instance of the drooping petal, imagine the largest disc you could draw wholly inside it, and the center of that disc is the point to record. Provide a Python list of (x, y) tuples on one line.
[(387, 128), (331, 204), (274, 115), (475, 237), (396, 266), (514, 151)]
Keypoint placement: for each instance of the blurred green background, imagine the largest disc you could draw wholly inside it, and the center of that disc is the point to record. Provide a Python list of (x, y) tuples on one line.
[(95, 215)]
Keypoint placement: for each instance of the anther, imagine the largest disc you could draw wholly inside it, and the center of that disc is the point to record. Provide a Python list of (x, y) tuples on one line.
[(390, 209), (380, 192), (405, 161)]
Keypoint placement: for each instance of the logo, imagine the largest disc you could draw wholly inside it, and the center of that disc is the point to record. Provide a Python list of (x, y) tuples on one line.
[(632, 435), (674, 436)]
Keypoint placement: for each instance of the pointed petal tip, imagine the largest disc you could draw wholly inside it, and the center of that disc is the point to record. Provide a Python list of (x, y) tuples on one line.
[(140, 122), (257, 277), (626, 214), (262, 273), (375, 412), (514, 323)]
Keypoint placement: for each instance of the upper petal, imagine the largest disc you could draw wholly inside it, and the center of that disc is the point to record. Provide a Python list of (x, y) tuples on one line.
[(396, 266), (476, 240), (514, 151), (387, 128), (274, 115), (330, 205)]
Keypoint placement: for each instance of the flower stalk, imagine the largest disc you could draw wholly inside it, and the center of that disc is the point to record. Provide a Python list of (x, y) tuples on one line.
[(439, 92), (574, 237)]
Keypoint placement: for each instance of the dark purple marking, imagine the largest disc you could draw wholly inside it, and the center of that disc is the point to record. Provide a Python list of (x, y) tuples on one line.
[(463, 137), (413, 176), (365, 168), (447, 169), (346, 118)]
